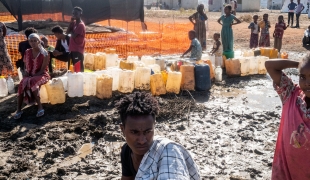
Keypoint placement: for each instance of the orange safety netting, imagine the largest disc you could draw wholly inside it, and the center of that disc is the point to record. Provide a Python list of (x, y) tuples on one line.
[(168, 38)]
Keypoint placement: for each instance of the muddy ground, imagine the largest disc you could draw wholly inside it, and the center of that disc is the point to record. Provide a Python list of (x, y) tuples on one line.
[(230, 130)]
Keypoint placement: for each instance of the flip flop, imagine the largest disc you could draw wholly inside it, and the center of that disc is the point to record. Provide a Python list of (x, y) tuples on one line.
[(18, 115), (40, 113)]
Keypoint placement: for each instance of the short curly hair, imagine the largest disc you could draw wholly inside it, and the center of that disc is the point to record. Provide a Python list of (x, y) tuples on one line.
[(29, 31), (137, 103)]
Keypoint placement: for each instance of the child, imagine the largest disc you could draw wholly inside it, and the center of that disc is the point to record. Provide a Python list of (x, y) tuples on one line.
[(217, 46), (227, 32), (292, 153), (278, 33), (49, 49), (255, 29), (195, 48), (264, 37), (306, 39)]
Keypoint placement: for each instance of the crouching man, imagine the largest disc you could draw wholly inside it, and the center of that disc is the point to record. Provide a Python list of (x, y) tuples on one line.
[(145, 156)]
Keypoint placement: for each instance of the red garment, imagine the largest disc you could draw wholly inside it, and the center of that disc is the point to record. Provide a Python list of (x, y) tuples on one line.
[(279, 30), (77, 44), (32, 83), (292, 154)]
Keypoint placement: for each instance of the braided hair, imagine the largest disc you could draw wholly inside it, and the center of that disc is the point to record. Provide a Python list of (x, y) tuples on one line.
[(137, 103)]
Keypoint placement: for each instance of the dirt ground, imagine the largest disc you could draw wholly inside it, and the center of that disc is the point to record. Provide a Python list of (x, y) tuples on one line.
[(231, 130)]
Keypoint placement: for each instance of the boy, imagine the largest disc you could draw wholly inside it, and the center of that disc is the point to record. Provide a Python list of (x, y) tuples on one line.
[(255, 29), (61, 51), (49, 48), (278, 33), (300, 7), (195, 48), (265, 36), (77, 40)]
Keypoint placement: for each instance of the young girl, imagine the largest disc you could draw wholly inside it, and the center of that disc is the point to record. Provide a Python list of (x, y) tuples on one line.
[(292, 154), (278, 33), (217, 46), (227, 21), (255, 29), (264, 37)]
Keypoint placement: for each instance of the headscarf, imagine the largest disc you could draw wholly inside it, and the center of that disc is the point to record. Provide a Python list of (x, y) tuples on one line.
[(42, 50)]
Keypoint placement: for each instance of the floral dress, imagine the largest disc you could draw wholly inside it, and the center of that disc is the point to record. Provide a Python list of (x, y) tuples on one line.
[(292, 154), (5, 60), (32, 83)]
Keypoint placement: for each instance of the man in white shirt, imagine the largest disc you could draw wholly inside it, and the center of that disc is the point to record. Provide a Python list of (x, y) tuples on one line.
[(300, 7), (306, 39)]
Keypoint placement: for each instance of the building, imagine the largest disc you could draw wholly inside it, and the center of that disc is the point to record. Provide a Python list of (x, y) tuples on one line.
[(243, 5), (177, 4), (272, 4)]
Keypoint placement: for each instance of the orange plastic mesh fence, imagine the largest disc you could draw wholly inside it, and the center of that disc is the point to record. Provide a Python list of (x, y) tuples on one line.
[(168, 38)]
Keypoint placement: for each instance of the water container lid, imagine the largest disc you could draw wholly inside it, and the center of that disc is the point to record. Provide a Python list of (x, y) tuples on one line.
[(112, 51)]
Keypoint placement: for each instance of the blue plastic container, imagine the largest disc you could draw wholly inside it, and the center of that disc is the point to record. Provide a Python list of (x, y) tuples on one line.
[(202, 77)]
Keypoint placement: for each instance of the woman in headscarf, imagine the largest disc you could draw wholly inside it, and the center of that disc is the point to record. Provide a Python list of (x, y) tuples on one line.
[(36, 74), (5, 60), (199, 21)]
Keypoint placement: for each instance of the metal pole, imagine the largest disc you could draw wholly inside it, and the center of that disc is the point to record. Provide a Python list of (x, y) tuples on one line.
[(222, 6)]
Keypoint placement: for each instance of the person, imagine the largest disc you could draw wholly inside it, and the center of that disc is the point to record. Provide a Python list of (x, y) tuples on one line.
[(264, 25), (195, 47), (300, 7), (145, 156), (227, 32), (291, 160), (5, 60), (77, 39), (61, 51), (234, 5), (199, 21), (36, 74), (278, 33), (217, 49), (306, 39), (23, 46), (291, 9), (255, 29), (48, 48)]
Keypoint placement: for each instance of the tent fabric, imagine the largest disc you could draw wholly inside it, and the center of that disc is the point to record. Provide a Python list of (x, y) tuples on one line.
[(285, 8), (93, 10)]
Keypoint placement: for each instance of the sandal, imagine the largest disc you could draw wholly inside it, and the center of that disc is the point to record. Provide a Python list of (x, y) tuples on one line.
[(40, 113), (18, 115)]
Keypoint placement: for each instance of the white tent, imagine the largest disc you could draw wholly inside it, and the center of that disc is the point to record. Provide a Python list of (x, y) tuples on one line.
[(285, 8)]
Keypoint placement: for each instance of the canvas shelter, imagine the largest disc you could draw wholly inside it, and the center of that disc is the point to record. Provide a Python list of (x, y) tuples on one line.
[(61, 10)]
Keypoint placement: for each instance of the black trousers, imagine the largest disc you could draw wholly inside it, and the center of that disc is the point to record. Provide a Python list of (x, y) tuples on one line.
[(290, 16), (64, 58), (77, 57), (297, 19)]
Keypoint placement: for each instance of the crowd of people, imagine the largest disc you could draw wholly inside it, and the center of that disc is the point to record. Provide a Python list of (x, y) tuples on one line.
[(144, 155)]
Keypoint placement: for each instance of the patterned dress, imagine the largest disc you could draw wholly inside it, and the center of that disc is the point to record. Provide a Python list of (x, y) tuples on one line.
[(32, 83), (200, 28), (265, 35), (292, 153), (5, 60)]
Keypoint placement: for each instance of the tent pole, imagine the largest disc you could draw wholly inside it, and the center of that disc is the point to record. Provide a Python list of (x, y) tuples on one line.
[(20, 16)]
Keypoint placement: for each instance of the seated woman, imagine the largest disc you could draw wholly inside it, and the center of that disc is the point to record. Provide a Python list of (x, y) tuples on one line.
[(36, 74)]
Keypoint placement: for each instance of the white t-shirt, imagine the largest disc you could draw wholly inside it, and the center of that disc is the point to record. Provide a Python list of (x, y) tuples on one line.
[(299, 8), (65, 45), (255, 31), (232, 3)]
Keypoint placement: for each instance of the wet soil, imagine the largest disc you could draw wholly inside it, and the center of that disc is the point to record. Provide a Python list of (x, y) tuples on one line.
[(230, 130)]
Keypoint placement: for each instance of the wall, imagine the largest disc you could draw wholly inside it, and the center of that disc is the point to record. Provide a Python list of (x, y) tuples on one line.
[(249, 6), (215, 5)]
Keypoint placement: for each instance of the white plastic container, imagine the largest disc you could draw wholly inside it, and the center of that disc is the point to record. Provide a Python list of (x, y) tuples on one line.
[(253, 65), (20, 75), (43, 94), (212, 58), (137, 64), (111, 59), (3, 87), (148, 60), (10, 84), (102, 72), (89, 81), (126, 81), (143, 78), (155, 68), (132, 58), (218, 74), (115, 73), (56, 92), (99, 61), (75, 85), (162, 64), (64, 80), (245, 66), (261, 64), (219, 61), (89, 61)]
